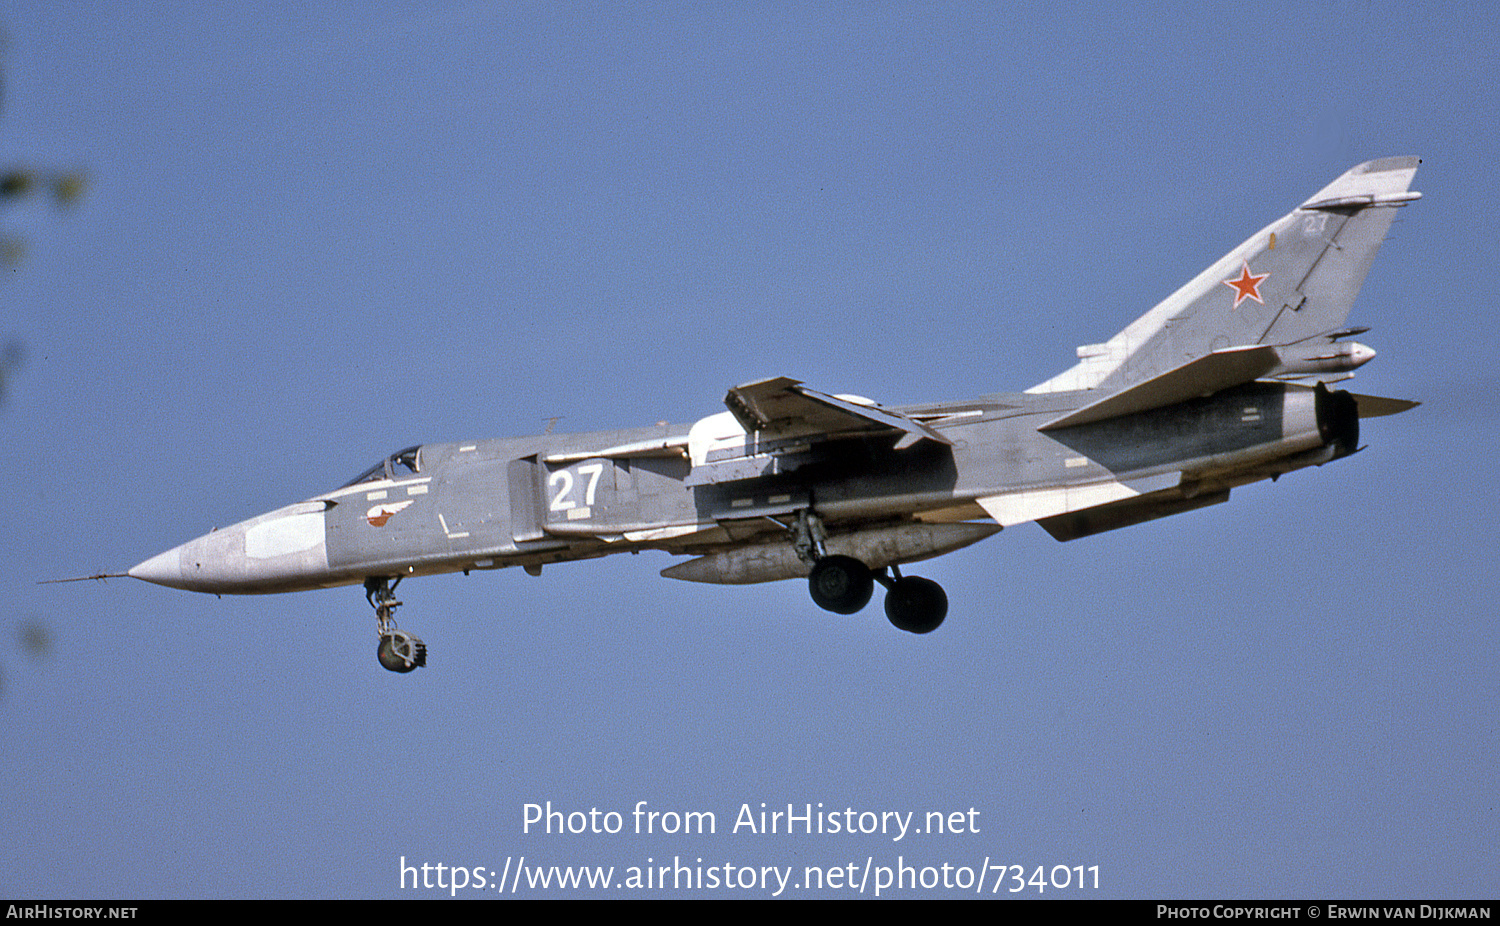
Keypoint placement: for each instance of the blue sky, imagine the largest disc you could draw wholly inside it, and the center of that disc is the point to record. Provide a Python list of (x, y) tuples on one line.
[(312, 237)]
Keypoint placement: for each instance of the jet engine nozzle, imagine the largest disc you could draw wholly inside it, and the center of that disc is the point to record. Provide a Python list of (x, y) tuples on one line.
[(1338, 420)]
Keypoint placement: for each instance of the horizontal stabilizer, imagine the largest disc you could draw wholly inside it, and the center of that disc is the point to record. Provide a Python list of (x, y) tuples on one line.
[(1014, 508), (1221, 369), (1126, 513), (1372, 406)]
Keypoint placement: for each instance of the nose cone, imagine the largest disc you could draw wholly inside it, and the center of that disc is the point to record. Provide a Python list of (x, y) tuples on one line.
[(1359, 354), (284, 550), (162, 569), (214, 562)]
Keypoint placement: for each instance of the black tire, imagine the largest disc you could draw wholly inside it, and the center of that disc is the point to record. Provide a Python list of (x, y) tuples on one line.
[(392, 652), (916, 605), (841, 584)]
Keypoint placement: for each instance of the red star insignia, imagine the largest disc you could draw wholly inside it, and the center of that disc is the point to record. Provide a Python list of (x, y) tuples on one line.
[(1246, 287)]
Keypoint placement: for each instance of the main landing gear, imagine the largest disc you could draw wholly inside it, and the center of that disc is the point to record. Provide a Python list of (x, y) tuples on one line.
[(844, 585), (399, 651)]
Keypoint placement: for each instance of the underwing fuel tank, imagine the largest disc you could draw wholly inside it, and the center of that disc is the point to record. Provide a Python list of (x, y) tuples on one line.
[(877, 548)]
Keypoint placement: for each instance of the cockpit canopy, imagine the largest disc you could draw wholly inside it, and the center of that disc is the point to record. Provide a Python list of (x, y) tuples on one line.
[(398, 465)]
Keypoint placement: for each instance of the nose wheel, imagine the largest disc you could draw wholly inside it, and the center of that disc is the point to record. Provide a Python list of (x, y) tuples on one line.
[(398, 650)]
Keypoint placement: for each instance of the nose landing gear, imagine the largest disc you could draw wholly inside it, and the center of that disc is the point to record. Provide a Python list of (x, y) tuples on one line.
[(398, 650)]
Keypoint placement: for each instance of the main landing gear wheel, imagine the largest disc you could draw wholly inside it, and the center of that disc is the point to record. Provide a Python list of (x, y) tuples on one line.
[(844, 585), (398, 650), (916, 605), (841, 584)]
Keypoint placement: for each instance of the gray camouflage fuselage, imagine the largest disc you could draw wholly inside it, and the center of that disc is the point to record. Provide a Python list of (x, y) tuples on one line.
[(495, 503), (1221, 384)]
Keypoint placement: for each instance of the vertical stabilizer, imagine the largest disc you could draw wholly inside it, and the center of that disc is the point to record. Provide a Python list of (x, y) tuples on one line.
[(1294, 279)]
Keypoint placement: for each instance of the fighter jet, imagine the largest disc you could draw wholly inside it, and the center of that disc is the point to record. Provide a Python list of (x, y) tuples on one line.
[(1222, 384)]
